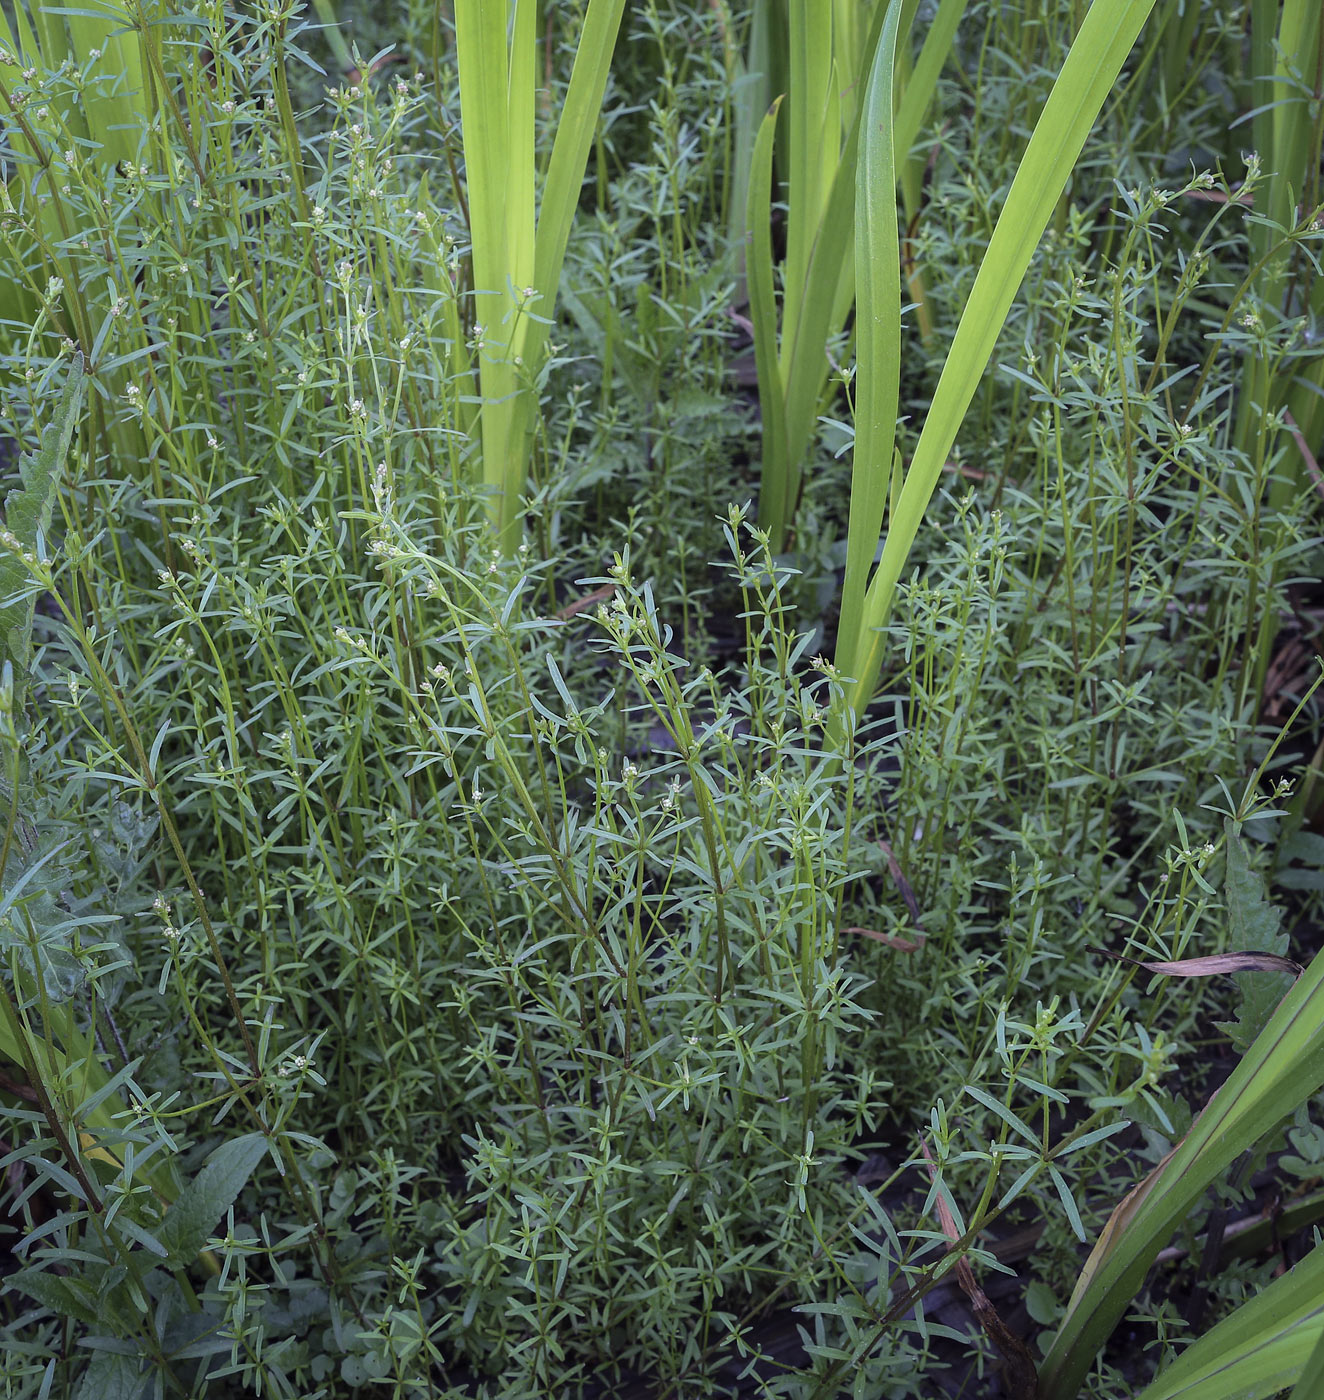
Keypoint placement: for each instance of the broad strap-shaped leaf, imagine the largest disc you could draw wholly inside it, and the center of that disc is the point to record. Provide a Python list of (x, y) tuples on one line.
[(878, 336), (923, 80), (517, 261), (204, 1200), (1261, 1349), (760, 281), (565, 173), (28, 511), (1310, 1383), (818, 276), (1280, 1071), (1091, 68)]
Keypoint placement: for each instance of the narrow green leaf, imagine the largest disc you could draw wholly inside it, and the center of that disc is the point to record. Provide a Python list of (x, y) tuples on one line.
[(204, 1200), (1017, 1126), (1068, 1204)]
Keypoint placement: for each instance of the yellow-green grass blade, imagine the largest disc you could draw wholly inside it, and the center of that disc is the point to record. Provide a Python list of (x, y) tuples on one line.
[(878, 336), (517, 262), (763, 315), (850, 22), (115, 114), (49, 37), (751, 100), (434, 270), (1283, 1067), (914, 99), (1296, 156), (813, 311), (813, 146), (491, 177), (74, 1060), (36, 47), (1286, 39), (829, 289), (17, 303), (574, 139), (1266, 1345), (1105, 38), (915, 95), (522, 173), (1180, 26), (1284, 44), (326, 12), (804, 365)]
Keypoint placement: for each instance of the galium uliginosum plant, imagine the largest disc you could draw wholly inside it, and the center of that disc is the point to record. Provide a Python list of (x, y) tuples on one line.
[(455, 989), (631, 955)]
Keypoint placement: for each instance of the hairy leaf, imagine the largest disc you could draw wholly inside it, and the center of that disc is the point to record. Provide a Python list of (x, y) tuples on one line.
[(1254, 926), (208, 1196)]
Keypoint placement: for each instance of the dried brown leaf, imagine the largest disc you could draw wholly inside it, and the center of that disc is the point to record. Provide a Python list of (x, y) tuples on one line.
[(599, 595), (1019, 1371), (1307, 456), (893, 940), (1216, 965), (908, 894)]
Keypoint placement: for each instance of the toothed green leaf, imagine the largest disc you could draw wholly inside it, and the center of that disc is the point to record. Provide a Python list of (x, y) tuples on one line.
[(1254, 927)]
